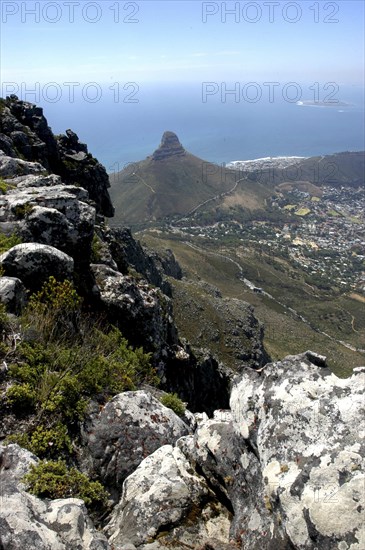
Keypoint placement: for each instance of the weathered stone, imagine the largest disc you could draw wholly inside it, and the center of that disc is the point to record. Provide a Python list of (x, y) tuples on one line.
[(169, 146), (29, 523), (127, 252), (37, 181), (13, 167), (128, 429), (234, 475), (12, 294), (55, 214), (142, 313), (34, 263), (305, 426), (76, 164), (25, 132), (166, 499)]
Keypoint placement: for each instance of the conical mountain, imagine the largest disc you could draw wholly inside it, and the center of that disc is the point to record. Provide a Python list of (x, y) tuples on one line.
[(170, 146), (170, 182)]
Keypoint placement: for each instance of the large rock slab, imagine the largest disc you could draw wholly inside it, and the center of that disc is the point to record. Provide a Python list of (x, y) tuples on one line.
[(34, 263), (306, 428), (234, 474), (13, 167), (29, 523), (129, 428), (57, 215), (165, 504)]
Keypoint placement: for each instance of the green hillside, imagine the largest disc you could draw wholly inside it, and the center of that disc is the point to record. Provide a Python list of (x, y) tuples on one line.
[(172, 184), (296, 316)]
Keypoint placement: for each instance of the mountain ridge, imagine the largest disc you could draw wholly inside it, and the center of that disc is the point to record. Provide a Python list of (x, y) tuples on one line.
[(173, 182)]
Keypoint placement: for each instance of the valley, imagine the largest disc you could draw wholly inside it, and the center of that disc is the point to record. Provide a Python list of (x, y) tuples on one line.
[(285, 235)]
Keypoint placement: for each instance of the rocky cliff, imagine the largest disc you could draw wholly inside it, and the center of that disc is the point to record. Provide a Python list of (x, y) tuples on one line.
[(24, 133), (170, 146), (278, 465)]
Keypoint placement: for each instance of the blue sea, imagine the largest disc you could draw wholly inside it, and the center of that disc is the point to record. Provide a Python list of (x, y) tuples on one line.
[(119, 131)]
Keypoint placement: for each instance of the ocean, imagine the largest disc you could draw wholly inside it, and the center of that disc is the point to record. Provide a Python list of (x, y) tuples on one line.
[(126, 125)]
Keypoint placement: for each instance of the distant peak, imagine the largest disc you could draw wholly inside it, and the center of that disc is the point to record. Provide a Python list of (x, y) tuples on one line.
[(169, 146)]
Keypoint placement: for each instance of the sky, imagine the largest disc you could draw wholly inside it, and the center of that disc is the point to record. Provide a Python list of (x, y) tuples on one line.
[(118, 42), (121, 72)]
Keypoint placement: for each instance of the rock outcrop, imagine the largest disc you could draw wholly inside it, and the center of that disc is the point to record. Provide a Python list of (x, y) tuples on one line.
[(128, 253), (228, 327), (42, 209), (128, 429), (306, 428), (142, 313), (286, 464), (34, 263), (170, 146), (77, 165), (167, 502), (29, 523), (24, 133)]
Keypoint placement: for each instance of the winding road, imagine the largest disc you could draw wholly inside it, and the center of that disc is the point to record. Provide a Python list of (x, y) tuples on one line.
[(252, 285)]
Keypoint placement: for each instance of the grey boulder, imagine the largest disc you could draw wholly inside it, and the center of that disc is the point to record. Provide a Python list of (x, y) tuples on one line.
[(165, 504), (34, 263), (13, 167), (129, 428), (305, 426), (12, 294), (143, 313)]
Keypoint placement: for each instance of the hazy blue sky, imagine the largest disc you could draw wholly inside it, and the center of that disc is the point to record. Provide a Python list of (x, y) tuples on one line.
[(182, 41)]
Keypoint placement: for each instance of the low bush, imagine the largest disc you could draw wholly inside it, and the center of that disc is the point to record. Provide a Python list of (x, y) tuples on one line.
[(59, 379), (173, 401), (56, 370), (21, 397), (96, 248), (53, 313), (8, 241), (52, 479), (45, 442), (60, 368)]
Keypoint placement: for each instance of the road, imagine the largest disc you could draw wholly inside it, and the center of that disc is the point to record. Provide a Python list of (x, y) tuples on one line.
[(292, 311)]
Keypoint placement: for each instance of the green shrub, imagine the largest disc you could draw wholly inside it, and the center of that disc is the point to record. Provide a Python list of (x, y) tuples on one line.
[(5, 186), (173, 401), (8, 241), (3, 318), (54, 480), (44, 442), (21, 211), (58, 368), (53, 312), (56, 295), (96, 247), (22, 398), (63, 377)]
